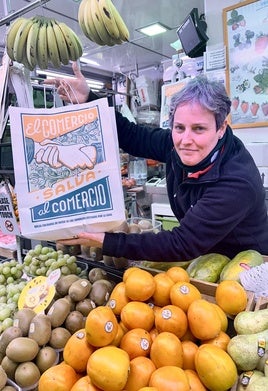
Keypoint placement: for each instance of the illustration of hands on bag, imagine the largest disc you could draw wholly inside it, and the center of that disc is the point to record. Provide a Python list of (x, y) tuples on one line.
[(72, 156)]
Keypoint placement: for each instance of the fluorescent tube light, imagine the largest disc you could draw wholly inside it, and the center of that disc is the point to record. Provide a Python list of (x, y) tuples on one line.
[(95, 85)]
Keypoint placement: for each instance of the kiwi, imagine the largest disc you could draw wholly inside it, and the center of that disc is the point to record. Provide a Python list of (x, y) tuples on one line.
[(74, 321), (46, 358), (22, 319), (7, 336), (22, 349), (120, 263), (9, 367), (100, 292), (9, 388), (107, 260), (85, 306), (40, 329), (59, 337), (134, 228), (3, 377), (63, 284), (58, 312), (97, 273), (79, 289), (27, 374)]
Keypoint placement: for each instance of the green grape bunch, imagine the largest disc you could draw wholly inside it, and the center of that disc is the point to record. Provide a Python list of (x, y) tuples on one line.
[(42, 260)]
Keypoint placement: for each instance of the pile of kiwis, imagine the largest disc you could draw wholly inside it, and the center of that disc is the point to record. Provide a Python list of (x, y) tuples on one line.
[(35, 341)]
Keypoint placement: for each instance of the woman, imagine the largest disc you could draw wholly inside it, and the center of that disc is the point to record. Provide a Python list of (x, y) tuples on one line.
[(214, 187)]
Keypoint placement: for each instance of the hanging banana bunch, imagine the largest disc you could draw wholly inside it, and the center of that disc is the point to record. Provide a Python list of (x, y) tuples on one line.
[(39, 41), (101, 22)]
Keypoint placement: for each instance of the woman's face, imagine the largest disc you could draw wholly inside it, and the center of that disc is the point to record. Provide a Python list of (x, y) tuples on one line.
[(194, 133)]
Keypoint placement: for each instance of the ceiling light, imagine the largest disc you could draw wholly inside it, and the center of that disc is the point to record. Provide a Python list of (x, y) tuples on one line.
[(153, 29), (95, 85), (89, 61)]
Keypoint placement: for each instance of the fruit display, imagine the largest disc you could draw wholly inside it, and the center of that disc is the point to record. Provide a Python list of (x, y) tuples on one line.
[(34, 342), (101, 22), (153, 330), (40, 41)]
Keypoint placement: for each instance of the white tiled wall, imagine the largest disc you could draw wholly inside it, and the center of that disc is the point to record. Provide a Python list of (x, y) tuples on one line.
[(259, 152)]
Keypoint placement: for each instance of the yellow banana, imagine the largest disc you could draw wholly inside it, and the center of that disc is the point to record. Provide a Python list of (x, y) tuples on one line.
[(123, 30), (99, 24), (108, 19), (52, 46), (61, 43), (42, 52), (92, 32), (81, 19), (21, 39), (32, 43), (11, 35), (70, 41)]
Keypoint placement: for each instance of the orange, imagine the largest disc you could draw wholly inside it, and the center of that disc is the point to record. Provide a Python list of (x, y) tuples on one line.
[(169, 378), (162, 289), (108, 368), (120, 332), (223, 317), (221, 340), (173, 319), (84, 384), (183, 294), (188, 336), (60, 377), (128, 271), (77, 351), (139, 285), (136, 342), (166, 349), (137, 314), (140, 372), (123, 327), (204, 321), (195, 382), (189, 349), (177, 273), (153, 333), (215, 368), (148, 389), (231, 297), (101, 326), (118, 298)]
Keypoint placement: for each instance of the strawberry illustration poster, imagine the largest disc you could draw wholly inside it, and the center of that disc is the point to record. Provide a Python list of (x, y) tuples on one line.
[(246, 39), (67, 170)]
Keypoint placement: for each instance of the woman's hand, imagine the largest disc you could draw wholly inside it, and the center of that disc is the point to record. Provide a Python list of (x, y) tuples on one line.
[(85, 239), (71, 90)]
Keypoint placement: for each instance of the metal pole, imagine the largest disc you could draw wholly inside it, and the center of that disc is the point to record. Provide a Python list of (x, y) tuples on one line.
[(22, 11)]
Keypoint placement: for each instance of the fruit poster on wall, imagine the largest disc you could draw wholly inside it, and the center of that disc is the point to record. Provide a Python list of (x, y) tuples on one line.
[(246, 39), (67, 170)]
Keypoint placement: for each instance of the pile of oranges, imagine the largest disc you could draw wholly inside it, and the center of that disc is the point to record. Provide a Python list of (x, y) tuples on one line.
[(156, 333)]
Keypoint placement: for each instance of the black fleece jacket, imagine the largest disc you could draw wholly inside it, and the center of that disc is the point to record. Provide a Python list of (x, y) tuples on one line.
[(221, 211)]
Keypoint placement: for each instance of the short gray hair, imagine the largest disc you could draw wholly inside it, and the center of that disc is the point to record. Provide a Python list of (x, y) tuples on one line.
[(210, 94)]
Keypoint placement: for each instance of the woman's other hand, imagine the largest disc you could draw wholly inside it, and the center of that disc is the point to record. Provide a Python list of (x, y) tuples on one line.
[(85, 239), (70, 90)]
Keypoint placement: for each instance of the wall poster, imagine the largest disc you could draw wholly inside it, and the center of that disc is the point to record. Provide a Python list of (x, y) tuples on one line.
[(246, 39)]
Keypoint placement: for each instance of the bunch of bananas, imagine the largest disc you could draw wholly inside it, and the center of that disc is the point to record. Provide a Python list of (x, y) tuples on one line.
[(101, 22), (39, 41)]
